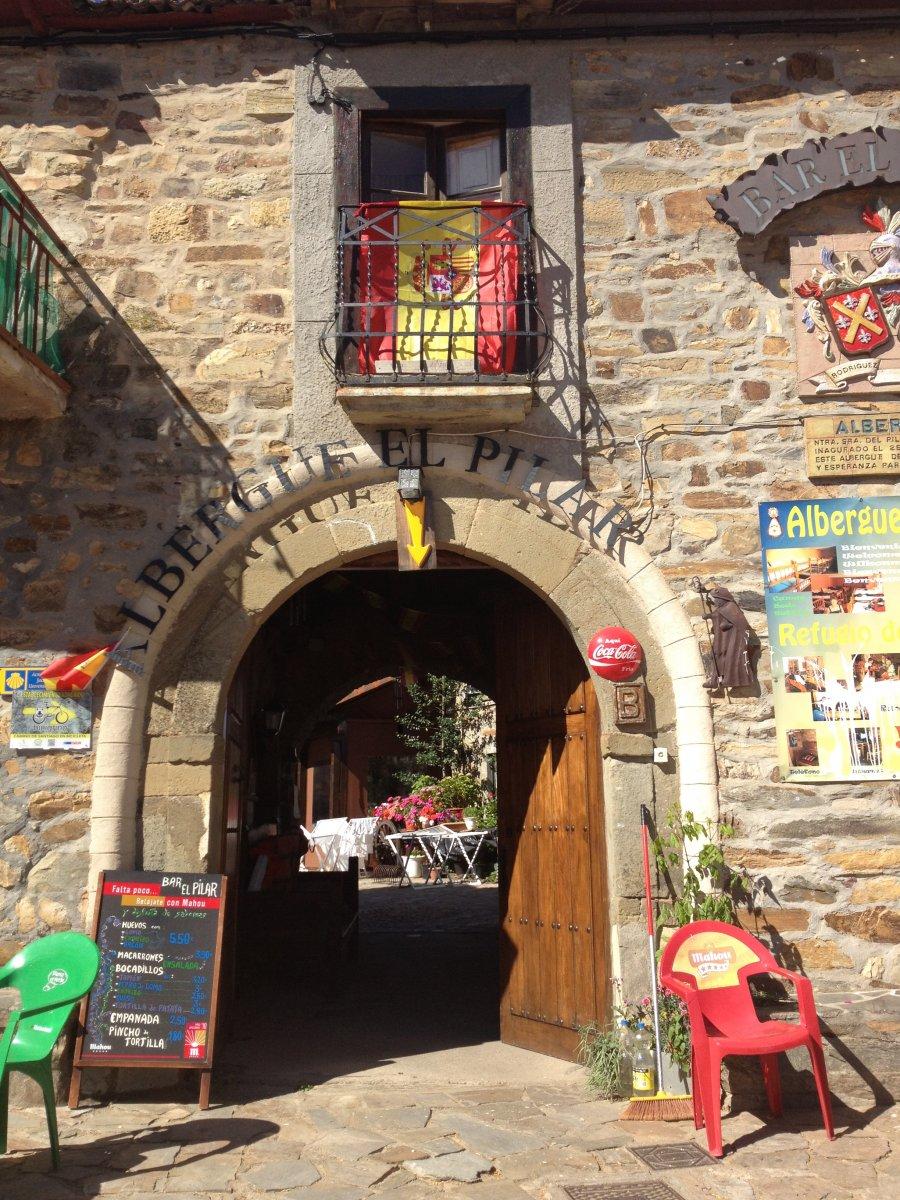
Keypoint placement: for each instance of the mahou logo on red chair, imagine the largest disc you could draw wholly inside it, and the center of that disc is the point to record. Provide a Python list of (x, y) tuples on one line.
[(614, 653)]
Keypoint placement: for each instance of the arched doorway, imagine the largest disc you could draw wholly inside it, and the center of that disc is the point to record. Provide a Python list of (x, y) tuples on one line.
[(547, 973), (157, 789)]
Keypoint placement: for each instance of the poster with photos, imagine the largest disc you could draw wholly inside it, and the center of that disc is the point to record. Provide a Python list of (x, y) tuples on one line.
[(832, 585)]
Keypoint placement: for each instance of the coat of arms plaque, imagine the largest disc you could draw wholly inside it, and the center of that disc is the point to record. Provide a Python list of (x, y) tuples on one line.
[(848, 320)]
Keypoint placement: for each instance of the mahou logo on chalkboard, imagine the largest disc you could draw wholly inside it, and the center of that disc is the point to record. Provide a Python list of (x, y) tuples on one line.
[(195, 1039), (614, 653)]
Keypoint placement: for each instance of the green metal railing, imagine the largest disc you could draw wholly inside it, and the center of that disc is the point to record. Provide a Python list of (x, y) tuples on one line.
[(31, 272)]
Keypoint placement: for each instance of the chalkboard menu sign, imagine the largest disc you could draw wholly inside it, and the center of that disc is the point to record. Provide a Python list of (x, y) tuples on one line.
[(154, 1001)]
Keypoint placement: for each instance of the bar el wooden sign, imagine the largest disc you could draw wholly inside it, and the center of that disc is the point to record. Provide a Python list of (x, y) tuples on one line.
[(154, 1002)]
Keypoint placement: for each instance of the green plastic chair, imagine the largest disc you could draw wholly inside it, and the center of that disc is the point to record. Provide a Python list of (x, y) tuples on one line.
[(51, 975)]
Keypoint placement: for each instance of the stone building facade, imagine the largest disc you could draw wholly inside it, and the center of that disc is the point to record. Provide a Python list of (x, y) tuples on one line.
[(193, 181)]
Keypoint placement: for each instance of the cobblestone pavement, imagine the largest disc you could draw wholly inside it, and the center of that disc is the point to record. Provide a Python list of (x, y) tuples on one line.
[(341, 1141), (387, 1078)]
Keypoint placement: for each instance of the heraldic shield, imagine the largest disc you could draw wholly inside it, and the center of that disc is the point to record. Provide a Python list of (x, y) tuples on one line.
[(857, 319)]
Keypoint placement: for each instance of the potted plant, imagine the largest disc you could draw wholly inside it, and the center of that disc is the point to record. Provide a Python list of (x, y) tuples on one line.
[(415, 866), (600, 1049), (709, 890), (482, 814)]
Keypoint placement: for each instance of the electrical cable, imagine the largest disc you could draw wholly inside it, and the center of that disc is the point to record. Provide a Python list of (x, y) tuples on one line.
[(705, 26)]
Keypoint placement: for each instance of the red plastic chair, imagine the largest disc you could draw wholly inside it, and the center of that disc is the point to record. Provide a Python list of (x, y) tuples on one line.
[(708, 965)]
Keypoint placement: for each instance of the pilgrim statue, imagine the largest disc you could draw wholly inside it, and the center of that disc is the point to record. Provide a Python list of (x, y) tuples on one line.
[(735, 647)]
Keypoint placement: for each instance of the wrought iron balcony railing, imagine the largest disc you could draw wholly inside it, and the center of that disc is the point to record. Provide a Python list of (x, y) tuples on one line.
[(435, 292), (31, 276)]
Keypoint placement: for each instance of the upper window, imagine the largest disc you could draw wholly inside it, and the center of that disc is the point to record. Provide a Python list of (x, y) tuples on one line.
[(438, 159)]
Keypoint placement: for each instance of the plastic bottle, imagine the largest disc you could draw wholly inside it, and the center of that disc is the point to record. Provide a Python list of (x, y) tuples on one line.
[(643, 1067), (626, 1045)]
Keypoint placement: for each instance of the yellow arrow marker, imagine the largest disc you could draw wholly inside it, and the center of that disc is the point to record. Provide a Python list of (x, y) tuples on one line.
[(415, 523)]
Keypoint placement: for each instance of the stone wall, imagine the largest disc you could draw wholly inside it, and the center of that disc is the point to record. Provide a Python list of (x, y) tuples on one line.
[(689, 346), (167, 171)]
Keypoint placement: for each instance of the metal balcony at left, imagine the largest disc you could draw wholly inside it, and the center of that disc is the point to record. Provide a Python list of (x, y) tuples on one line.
[(36, 302)]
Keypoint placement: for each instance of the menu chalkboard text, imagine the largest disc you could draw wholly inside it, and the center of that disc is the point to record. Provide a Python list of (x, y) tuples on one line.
[(154, 1001)]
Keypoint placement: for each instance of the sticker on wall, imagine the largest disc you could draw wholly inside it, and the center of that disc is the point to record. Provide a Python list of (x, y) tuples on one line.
[(19, 679), (45, 720)]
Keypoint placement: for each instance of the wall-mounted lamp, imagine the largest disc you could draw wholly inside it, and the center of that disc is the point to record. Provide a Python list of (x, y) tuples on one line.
[(409, 483), (273, 719)]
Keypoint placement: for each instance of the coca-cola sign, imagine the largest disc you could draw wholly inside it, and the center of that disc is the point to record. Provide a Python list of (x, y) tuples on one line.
[(614, 653)]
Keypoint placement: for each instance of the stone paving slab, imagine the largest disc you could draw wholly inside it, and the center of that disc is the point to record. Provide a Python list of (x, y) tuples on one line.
[(462, 1166), (486, 1138), (348, 1145), (279, 1175), (413, 1148), (388, 1120)]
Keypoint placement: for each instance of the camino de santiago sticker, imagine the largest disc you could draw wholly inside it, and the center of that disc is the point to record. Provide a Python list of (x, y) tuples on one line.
[(45, 720), (713, 959)]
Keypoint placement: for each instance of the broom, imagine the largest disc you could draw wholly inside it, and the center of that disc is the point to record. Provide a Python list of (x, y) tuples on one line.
[(662, 1106)]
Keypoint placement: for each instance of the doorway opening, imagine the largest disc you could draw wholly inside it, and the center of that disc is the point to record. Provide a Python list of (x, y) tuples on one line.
[(368, 976)]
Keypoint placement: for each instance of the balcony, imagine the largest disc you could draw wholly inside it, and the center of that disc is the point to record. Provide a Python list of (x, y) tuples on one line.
[(32, 277), (435, 316)]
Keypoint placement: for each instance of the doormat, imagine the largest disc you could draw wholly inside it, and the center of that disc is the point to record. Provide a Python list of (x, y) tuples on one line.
[(647, 1189), (673, 1156)]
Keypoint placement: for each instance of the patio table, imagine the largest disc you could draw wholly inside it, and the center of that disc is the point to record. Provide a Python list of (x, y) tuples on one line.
[(437, 844)]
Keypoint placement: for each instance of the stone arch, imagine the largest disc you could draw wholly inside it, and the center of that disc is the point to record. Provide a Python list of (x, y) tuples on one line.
[(160, 741)]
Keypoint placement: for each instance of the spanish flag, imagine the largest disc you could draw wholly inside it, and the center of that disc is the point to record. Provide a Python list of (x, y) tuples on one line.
[(75, 672), (437, 286)]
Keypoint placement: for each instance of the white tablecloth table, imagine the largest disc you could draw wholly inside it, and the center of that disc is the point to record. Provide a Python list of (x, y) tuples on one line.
[(338, 839), (437, 844)]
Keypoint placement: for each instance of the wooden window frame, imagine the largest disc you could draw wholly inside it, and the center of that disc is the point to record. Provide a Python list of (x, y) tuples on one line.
[(436, 138), (511, 105)]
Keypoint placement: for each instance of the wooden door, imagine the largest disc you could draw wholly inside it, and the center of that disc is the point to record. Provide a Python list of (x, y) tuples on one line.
[(553, 902), (232, 857)]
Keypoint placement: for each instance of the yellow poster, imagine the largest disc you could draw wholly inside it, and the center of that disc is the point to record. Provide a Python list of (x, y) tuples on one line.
[(832, 576)]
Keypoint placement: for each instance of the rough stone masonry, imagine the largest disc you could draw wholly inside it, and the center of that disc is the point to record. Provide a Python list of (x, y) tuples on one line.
[(168, 170)]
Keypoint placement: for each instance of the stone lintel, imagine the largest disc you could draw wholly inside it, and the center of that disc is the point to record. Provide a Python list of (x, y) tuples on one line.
[(439, 405)]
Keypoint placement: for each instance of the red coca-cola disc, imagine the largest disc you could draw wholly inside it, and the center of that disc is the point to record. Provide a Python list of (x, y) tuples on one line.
[(614, 653)]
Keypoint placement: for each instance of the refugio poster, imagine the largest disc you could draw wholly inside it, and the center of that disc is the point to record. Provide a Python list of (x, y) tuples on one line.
[(832, 580)]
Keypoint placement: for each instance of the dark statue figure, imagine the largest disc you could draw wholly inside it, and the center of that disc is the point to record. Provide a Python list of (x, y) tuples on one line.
[(735, 647)]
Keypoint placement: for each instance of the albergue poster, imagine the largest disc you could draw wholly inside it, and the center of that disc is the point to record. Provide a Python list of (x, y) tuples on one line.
[(832, 582)]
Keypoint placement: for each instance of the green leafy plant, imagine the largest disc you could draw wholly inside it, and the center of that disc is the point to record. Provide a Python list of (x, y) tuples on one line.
[(484, 811), (461, 791), (447, 729), (599, 1050), (675, 1029), (709, 889)]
